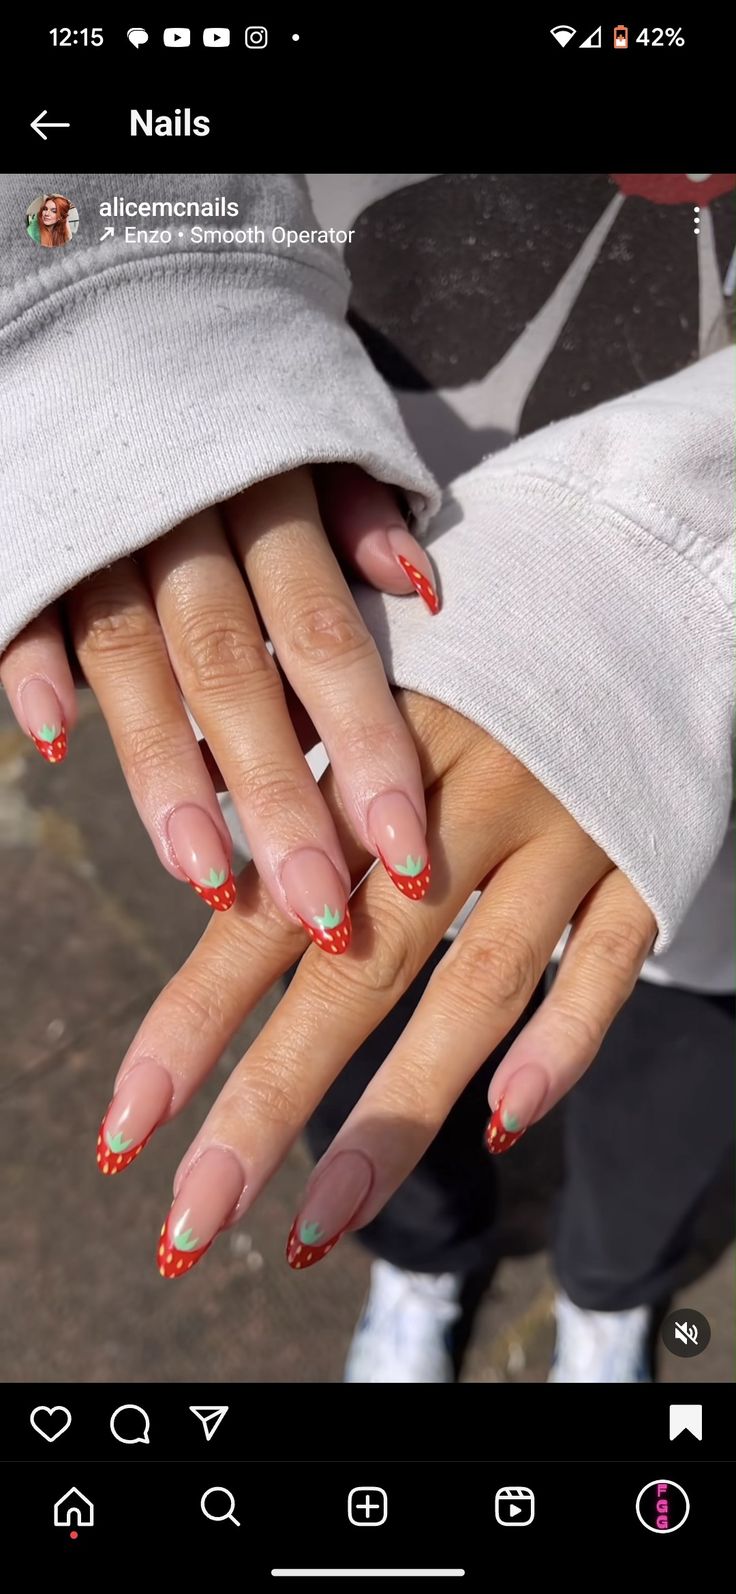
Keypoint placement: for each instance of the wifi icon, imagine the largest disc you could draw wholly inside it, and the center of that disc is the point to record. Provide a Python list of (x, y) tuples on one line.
[(563, 35)]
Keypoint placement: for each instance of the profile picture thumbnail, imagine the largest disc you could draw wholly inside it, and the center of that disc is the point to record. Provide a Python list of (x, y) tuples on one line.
[(52, 220)]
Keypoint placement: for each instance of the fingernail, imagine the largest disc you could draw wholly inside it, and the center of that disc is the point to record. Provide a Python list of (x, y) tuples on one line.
[(317, 895), (202, 857), (400, 841), (415, 565), (330, 1205), (136, 1109), (44, 719), (513, 1114), (210, 1191)]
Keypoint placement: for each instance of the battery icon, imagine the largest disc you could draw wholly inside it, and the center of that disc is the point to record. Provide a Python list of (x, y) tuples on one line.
[(620, 38)]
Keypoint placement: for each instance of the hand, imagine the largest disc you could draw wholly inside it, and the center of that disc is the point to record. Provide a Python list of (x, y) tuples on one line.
[(491, 824), (186, 619)]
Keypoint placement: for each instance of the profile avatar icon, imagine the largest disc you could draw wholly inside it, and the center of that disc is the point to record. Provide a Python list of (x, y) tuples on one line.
[(52, 221)]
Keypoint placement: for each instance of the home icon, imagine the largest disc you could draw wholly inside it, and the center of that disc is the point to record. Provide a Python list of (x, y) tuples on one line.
[(74, 1510)]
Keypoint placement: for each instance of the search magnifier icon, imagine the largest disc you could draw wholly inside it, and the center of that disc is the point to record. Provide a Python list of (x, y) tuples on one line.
[(218, 1515)]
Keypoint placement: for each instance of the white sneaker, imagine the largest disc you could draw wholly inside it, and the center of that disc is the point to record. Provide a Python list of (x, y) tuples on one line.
[(600, 1347), (404, 1331)]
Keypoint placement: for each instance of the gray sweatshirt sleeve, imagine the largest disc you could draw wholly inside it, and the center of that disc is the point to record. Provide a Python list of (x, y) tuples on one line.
[(585, 575), (140, 382)]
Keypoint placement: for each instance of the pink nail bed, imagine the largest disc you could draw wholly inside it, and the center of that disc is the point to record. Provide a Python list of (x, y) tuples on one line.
[(140, 1102), (201, 856), (206, 1198)]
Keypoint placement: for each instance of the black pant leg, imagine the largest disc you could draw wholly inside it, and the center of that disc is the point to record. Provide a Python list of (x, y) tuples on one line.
[(441, 1219), (647, 1131)]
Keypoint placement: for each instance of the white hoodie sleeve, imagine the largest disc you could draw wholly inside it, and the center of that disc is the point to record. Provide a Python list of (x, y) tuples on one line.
[(586, 581), (140, 382)]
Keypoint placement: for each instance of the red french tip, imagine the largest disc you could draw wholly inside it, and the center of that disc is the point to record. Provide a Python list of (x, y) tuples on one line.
[(110, 1161), (423, 586), (498, 1138), (413, 886), (335, 940), (53, 752), (219, 898), (300, 1255), (173, 1263)]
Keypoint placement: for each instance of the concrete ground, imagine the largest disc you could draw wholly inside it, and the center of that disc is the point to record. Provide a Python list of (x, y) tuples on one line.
[(91, 928)]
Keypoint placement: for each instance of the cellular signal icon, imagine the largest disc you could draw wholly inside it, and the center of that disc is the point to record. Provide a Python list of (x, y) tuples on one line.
[(563, 34)]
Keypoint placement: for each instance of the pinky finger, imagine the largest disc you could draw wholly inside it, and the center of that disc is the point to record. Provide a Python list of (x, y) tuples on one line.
[(611, 936), (37, 677), (365, 525)]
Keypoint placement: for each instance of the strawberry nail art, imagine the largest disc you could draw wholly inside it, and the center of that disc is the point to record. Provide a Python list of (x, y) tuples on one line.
[(218, 890), (178, 1254), (331, 929), (333, 1198), (423, 586), (307, 1244), (51, 742), (411, 877), (115, 1154), (207, 1197), (503, 1131), (140, 1104)]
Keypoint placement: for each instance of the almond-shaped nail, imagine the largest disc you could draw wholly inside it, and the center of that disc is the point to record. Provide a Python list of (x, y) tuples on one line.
[(415, 565), (400, 842), (201, 856), (136, 1109), (522, 1098), (317, 895), (208, 1195), (44, 718), (330, 1204)]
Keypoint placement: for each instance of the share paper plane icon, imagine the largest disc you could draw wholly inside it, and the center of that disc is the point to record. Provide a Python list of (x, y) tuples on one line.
[(210, 1418)]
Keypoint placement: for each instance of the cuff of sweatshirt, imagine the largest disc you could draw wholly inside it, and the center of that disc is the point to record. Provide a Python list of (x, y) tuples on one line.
[(596, 654), (151, 390)]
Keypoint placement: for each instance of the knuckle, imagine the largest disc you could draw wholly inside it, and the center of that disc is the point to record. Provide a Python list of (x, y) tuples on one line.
[(194, 1008), (410, 1096), (391, 965), (582, 1028), (272, 1092), (374, 982), (216, 651), (105, 627), (620, 948), (144, 751), (271, 795), (326, 630), (379, 744), (499, 972)]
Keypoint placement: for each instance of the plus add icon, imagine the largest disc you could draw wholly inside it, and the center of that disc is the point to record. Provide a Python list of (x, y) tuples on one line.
[(367, 1507)]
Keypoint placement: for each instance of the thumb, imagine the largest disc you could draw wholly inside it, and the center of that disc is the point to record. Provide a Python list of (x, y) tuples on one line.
[(367, 529)]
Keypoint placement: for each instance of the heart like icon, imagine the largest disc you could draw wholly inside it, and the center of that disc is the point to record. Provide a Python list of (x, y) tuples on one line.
[(51, 1421)]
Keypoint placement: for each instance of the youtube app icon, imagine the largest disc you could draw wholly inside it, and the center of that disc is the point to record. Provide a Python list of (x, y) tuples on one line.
[(177, 38), (216, 38)]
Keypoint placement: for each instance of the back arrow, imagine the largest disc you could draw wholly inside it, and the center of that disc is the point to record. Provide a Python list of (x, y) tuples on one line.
[(37, 124)]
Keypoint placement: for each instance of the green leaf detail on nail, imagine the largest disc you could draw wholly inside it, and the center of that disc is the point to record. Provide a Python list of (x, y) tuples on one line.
[(186, 1241), (413, 866), (118, 1144), (510, 1122), (216, 878), (48, 733), (329, 919), (311, 1234)]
